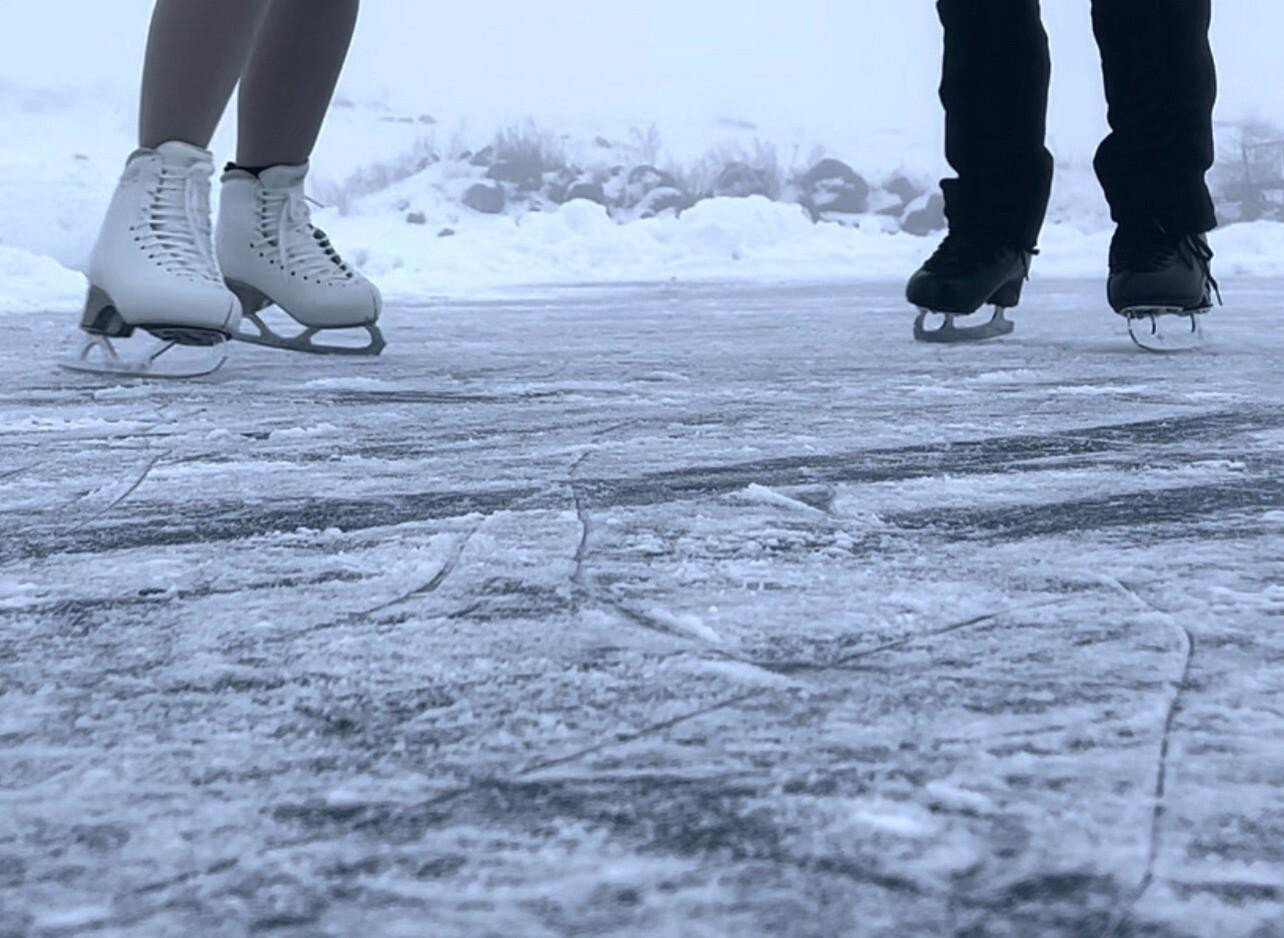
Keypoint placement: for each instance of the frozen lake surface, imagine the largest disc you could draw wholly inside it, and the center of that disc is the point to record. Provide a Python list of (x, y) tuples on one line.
[(678, 611)]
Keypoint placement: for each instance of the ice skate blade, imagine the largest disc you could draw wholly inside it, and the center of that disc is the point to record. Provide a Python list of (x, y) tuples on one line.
[(950, 334), (302, 342), (144, 355), (1163, 330)]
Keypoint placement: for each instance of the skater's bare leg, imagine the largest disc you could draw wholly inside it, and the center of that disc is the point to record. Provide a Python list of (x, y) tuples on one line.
[(270, 252), (155, 289), (290, 79), (196, 52)]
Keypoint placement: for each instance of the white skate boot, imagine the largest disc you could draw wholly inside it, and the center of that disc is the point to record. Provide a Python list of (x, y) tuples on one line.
[(157, 304), (272, 255)]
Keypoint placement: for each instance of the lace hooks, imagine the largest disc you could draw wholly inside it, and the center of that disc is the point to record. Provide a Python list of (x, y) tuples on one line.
[(1204, 254)]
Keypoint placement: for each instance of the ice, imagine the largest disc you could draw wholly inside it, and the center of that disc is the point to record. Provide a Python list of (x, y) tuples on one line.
[(657, 609)]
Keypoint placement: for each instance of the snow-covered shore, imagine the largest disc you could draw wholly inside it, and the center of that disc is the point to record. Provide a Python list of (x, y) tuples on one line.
[(397, 185)]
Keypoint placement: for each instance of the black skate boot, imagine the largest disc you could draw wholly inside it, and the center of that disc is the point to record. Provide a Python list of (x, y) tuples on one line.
[(967, 272), (1162, 284)]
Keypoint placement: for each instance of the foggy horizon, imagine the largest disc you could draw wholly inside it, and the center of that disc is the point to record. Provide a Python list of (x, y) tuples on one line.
[(818, 65)]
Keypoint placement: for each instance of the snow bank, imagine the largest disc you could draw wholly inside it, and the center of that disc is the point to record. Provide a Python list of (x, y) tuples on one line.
[(398, 183), (742, 240), (30, 283), (750, 239), (1253, 249)]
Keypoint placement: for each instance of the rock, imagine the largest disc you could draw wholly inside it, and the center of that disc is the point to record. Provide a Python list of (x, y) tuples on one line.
[(830, 169), (556, 183), (882, 202), (664, 199), (833, 186), (924, 215), (587, 190), (615, 188), (527, 175), (416, 218), (647, 178), (483, 157), (905, 188), (487, 198), (427, 119), (640, 182), (446, 233), (740, 180), (603, 143), (835, 197)]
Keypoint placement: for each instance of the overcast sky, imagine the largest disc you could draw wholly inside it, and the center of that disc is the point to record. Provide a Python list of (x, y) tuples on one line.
[(873, 63)]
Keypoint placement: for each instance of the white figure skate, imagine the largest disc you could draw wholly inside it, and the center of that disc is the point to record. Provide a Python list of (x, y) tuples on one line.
[(157, 305), (272, 255)]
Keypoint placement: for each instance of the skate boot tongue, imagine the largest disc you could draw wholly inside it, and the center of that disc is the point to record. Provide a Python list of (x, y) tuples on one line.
[(284, 177), (183, 156)]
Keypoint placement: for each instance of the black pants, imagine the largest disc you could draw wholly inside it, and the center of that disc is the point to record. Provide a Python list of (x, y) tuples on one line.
[(1161, 84)]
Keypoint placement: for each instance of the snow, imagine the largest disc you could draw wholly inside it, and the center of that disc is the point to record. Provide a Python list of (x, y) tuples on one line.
[(651, 611), (726, 239), (719, 240), (60, 163), (31, 283)]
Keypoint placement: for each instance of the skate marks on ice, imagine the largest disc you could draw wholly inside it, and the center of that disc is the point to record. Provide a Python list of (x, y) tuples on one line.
[(1125, 448), (617, 642)]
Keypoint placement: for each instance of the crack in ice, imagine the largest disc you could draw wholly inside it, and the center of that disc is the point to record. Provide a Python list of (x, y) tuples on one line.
[(1159, 808)]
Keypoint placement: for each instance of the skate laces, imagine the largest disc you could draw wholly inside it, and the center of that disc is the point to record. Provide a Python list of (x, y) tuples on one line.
[(285, 224), (1150, 250), (178, 232), (961, 254)]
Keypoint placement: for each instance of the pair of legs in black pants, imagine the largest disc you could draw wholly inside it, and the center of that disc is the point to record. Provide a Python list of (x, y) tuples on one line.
[(1160, 84)]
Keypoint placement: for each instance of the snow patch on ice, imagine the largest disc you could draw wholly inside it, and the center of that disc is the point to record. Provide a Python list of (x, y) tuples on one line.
[(892, 817), (15, 592), (32, 424), (1009, 376), (73, 918), (1030, 485), (954, 798), (124, 392), (295, 433), (763, 495), (741, 673), (686, 623), (350, 383)]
